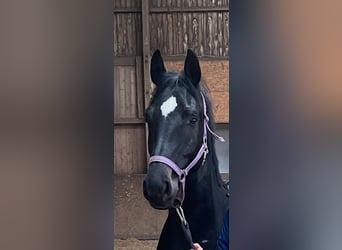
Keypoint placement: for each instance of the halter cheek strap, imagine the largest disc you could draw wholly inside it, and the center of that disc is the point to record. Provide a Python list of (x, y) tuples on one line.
[(203, 151)]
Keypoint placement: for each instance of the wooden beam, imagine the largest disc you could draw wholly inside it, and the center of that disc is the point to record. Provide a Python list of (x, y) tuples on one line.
[(146, 50), (189, 10), (124, 61), (124, 121), (201, 58), (127, 10), (131, 60), (140, 87), (174, 9), (145, 17)]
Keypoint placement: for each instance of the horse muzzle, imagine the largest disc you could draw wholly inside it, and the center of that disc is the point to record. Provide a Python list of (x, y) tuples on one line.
[(160, 189)]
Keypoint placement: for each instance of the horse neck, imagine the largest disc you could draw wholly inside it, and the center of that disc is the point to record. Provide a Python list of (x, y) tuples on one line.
[(204, 180)]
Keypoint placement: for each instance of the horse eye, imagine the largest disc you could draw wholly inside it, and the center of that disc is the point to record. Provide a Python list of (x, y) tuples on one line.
[(193, 120)]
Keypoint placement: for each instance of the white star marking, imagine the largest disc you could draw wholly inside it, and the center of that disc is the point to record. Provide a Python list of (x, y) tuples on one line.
[(168, 106)]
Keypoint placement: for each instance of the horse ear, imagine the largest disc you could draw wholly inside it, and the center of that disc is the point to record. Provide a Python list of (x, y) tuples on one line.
[(157, 67), (192, 67)]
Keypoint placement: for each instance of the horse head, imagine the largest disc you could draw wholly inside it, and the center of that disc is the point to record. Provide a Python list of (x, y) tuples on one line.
[(175, 119)]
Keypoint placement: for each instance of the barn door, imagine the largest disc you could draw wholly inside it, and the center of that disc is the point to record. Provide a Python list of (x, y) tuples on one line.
[(129, 127)]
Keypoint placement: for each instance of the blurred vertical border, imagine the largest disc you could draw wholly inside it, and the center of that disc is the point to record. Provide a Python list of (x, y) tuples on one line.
[(56, 129), (285, 125)]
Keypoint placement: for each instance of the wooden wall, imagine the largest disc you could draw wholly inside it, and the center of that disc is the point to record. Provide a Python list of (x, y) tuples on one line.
[(204, 32), (129, 149), (173, 26)]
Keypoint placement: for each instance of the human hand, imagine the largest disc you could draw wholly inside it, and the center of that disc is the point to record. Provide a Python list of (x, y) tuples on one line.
[(197, 247)]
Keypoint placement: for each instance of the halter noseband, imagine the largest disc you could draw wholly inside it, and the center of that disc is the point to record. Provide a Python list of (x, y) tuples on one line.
[(203, 151)]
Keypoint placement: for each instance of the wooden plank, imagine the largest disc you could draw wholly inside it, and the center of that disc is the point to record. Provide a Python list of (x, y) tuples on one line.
[(138, 34), (181, 56), (140, 89), (124, 61), (179, 32), (124, 35), (166, 33), (123, 3), (204, 31), (126, 10), (128, 87), (195, 30), (170, 29), (134, 37), (117, 33), (126, 121), (146, 51), (211, 35), (130, 92), (186, 3), (184, 34), (215, 51), (115, 37), (130, 35), (194, 4), (146, 60), (189, 30), (200, 34), (129, 149), (226, 33), (153, 29), (116, 91), (220, 33), (137, 4), (128, 4), (133, 95), (173, 9), (122, 93), (127, 30), (160, 41), (174, 35)]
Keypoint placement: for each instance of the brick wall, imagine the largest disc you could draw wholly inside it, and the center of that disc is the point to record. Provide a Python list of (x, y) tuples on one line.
[(215, 74)]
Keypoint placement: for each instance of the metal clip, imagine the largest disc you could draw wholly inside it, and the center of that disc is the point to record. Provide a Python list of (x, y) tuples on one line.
[(185, 226), (206, 151)]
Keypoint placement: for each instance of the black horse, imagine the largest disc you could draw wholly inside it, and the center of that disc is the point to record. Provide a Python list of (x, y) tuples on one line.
[(183, 168)]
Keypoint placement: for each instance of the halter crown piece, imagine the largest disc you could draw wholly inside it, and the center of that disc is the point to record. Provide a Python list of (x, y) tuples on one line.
[(203, 151)]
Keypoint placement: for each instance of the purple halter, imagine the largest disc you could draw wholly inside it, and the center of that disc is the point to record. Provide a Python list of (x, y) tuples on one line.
[(203, 151)]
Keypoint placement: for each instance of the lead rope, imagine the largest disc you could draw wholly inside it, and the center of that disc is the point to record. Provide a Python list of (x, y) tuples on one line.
[(179, 209), (185, 226)]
